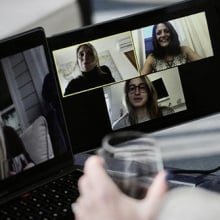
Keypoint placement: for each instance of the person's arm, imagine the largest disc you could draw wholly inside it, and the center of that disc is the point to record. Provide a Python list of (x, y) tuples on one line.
[(100, 198), (190, 54), (147, 68)]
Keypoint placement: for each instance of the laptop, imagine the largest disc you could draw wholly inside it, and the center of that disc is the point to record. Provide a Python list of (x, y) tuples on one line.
[(76, 121), (187, 86), (35, 149)]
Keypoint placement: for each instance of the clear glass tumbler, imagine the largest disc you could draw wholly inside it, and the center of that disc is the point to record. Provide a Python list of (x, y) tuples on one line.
[(132, 159)]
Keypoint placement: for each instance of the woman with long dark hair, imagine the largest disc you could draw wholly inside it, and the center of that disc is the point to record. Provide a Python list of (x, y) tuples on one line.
[(167, 51)]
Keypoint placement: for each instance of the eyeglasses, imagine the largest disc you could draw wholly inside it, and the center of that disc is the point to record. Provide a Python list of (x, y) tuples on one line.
[(141, 88)]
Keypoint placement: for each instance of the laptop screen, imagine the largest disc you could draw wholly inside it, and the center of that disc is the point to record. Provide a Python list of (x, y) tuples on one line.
[(143, 72), (32, 128)]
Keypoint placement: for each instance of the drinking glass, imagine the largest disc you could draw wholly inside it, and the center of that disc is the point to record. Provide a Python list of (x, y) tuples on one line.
[(132, 159)]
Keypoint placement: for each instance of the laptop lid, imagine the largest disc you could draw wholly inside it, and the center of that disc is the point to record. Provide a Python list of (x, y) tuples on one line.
[(33, 144), (186, 80)]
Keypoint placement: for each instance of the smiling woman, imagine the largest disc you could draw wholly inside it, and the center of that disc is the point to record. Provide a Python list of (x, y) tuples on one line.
[(167, 51)]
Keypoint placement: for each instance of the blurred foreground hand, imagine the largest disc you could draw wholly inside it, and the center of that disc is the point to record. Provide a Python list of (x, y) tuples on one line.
[(101, 199)]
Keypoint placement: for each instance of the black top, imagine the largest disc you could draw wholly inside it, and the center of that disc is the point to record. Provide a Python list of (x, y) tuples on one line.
[(91, 79)]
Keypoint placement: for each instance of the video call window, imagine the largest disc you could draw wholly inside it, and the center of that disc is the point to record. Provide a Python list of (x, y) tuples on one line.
[(135, 100), (126, 55), (191, 35), (96, 63), (122, 56), (172, 43), (146, 57)]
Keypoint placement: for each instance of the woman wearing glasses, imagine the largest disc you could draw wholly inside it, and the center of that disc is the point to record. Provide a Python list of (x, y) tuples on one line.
[(141, 103)]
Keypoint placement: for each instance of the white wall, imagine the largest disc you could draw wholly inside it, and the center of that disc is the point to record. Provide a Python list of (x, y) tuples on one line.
[(125, 68)]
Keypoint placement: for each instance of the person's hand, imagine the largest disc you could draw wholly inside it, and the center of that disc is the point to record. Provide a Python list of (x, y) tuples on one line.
[(101, 199)]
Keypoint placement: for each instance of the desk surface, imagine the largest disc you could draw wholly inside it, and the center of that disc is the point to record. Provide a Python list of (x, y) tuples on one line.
[(193, 145)]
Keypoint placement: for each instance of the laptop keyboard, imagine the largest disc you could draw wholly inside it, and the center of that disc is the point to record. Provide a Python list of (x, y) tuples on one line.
[(50, 201)]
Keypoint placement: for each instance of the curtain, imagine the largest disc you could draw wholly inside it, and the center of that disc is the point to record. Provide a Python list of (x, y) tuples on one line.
[(193, 32)]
